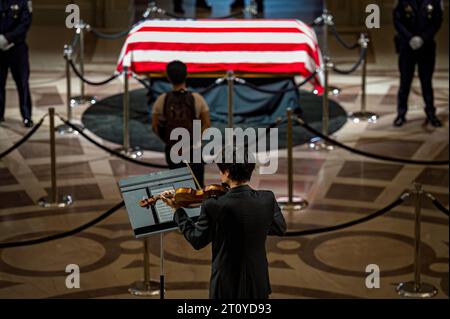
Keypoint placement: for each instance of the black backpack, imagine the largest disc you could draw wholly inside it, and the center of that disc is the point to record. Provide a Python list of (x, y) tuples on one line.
[(179, 111)]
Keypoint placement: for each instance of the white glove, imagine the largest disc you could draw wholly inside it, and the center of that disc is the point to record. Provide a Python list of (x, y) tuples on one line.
[(416, 43), (4, 45), (3, 42)]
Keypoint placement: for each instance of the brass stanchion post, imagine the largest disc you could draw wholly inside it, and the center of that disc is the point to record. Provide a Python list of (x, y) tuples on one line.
[(54, 200), (82, 98), (317, 143), (291, 203), (363, 115), (327, 20), (126, 149), (147, 287), (64, 129), (416, 288)]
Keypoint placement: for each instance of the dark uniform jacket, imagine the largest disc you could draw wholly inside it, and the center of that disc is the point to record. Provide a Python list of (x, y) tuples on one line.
[(237, 225), (15, 20), (421, 18)]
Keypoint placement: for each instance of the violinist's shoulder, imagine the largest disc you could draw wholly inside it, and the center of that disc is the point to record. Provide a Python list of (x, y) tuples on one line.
[(266, 193)]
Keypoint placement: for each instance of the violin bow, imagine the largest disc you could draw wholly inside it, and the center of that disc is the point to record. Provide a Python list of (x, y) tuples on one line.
[(193, 175)]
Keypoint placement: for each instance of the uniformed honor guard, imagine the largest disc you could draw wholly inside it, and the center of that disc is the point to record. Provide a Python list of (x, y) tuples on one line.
[(15, 20), (417, 22)]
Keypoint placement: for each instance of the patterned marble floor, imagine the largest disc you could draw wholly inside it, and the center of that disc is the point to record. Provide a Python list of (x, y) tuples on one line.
[(339, 186)]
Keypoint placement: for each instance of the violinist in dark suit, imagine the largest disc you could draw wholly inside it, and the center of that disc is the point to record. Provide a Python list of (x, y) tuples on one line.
[(417, 22), (237, 224)]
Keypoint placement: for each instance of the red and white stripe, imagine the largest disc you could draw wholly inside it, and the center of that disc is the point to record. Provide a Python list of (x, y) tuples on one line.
[(252, 46)]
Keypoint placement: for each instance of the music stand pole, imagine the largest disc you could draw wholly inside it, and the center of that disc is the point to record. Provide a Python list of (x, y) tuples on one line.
[(161, 267), (144, 288)]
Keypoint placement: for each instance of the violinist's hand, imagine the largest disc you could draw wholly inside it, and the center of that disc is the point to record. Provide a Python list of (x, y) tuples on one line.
[(168, 200)]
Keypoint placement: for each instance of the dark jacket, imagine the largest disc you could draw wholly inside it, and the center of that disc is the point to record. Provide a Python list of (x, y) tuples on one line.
[(15, 19), (421, 18), (237, 225)]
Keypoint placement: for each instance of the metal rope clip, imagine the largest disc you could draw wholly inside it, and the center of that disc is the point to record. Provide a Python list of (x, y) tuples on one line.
[(239, 80), (405, 195), (220, 80), (251, 8), (150, 9), (363, 40), (328, 18), (68, 52), (82, 26), (318, 21), (431, 197)]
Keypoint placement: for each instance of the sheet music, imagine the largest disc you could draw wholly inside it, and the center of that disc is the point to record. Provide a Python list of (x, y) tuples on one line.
[(164, 212)]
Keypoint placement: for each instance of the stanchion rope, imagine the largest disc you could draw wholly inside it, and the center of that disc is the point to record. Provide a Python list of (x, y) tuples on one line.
[(142, 81), (106, 149), (367, 154), (82, 78), (362, 56), (378, 213), (257, 88), (218, 82), (438, 204), (65, 234), (24, 138), (110, 36), (341, 40)]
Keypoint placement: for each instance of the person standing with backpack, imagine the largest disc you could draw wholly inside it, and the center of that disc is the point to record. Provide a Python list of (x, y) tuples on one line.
[(178, 109)]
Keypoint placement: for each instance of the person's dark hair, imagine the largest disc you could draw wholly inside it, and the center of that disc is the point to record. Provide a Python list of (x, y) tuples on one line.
[(240, 166), (176, 72)]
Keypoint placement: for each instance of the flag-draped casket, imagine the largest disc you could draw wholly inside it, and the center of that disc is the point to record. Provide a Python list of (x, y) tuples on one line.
[(273, 47)]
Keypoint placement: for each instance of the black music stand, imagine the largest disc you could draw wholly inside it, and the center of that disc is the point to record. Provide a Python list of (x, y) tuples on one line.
[(157, 219)]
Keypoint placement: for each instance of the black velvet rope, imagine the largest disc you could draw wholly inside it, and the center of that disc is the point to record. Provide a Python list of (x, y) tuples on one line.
[(367, 154), (65, 234), (362, 57), (110, 36), (202, 91), (209, 88), (24, 138), (114, 36), (257, 88), (345, 225), (82, 78), (438, 205), (142, 81), (112, 152), (341, 41)]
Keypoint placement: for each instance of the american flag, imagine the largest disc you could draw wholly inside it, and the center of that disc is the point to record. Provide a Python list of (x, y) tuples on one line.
[(206, 46)]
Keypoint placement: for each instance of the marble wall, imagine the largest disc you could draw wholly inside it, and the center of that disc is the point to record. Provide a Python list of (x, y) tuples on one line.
[(109, 14)]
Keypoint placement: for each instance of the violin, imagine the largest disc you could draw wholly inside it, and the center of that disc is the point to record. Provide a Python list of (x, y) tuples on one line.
[(189, 197)]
